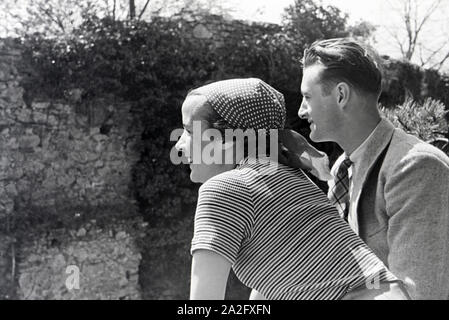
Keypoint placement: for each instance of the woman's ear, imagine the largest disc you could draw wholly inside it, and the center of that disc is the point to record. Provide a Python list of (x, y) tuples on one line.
[(343, 92)]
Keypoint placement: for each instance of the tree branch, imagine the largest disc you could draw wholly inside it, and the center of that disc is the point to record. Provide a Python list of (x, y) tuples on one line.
[(132, 9), (143, 10), (440, 64), (433, 52), (431, 10), (49, 14), (414, 25), (398, 41), (113, 10)]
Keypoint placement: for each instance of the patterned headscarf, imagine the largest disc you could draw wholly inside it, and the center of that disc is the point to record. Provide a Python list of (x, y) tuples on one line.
[(246, 103)]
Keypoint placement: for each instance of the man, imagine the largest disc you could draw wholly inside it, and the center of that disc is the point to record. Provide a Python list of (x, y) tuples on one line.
[(397, 196)]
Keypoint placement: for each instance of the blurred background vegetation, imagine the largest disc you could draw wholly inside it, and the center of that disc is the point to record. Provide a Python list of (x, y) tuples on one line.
[(82, 50)]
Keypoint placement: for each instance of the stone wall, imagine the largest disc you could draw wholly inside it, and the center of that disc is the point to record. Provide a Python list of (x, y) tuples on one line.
[(64, 164), (56, 157), (105, 262)]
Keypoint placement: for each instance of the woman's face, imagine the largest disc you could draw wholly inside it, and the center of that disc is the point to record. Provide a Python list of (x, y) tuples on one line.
[(195, 113)]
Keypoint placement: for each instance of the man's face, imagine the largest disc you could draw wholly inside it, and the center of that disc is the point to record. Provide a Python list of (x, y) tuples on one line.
[(318, 107)]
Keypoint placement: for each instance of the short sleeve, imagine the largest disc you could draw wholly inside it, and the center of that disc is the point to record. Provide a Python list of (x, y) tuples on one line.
[(224, 215)]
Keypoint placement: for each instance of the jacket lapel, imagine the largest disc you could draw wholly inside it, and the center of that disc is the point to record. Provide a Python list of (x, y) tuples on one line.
[(377, 144)]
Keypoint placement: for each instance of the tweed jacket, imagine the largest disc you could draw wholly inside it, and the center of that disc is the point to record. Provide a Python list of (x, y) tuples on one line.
[(400, 208)]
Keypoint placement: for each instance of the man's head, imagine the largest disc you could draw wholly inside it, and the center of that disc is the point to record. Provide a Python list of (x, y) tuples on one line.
[(341, 81)]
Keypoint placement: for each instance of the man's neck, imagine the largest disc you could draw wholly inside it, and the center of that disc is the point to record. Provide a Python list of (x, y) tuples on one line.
[(357, 131)]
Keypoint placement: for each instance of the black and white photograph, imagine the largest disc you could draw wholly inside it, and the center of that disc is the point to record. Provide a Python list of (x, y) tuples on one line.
[(240, 150)]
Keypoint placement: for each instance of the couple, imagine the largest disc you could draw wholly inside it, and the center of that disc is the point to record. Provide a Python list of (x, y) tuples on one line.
[(388, 238)]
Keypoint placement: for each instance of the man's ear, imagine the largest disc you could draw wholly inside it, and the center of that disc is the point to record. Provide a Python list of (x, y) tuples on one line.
[(343, 93)]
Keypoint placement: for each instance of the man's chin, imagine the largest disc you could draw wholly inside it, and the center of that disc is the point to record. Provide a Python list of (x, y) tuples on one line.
[(314, 137)]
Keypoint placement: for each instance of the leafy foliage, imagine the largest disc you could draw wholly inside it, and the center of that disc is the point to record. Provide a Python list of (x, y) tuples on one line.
[(405, 80), (425, 120), (308, 20)]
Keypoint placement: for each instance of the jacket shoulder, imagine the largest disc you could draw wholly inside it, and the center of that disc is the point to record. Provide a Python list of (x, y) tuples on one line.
[(407, 148)]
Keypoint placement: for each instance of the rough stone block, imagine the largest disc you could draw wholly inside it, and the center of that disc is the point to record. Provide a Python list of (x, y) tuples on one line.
[(29, 142), (40, 105), (201, 32), (104, 270), (24, 115)]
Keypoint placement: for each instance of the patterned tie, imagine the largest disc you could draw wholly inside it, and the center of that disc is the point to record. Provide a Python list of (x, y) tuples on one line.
[(339, 193)]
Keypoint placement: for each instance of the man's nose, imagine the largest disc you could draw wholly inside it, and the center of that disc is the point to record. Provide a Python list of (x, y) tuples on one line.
[(302, 112)]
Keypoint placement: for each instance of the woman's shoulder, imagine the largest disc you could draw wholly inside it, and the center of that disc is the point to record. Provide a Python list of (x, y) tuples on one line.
[(230, 182), (227, 191)]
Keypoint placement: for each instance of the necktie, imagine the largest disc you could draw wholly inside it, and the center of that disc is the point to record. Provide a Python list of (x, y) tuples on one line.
[(339, 193)]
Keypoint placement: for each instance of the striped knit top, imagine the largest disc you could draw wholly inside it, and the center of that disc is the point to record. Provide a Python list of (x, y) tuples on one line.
[(281, 235)]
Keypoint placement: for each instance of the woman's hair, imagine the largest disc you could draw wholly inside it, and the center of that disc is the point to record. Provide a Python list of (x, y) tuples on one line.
[(346, 60)]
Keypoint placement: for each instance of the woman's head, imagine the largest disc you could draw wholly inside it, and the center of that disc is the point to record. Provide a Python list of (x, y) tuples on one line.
[(247, 104)]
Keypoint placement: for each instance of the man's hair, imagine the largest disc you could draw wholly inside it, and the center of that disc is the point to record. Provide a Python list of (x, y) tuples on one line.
[(346, 60)]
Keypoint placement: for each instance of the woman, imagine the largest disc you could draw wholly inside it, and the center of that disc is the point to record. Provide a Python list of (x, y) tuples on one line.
[(267, 221)]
